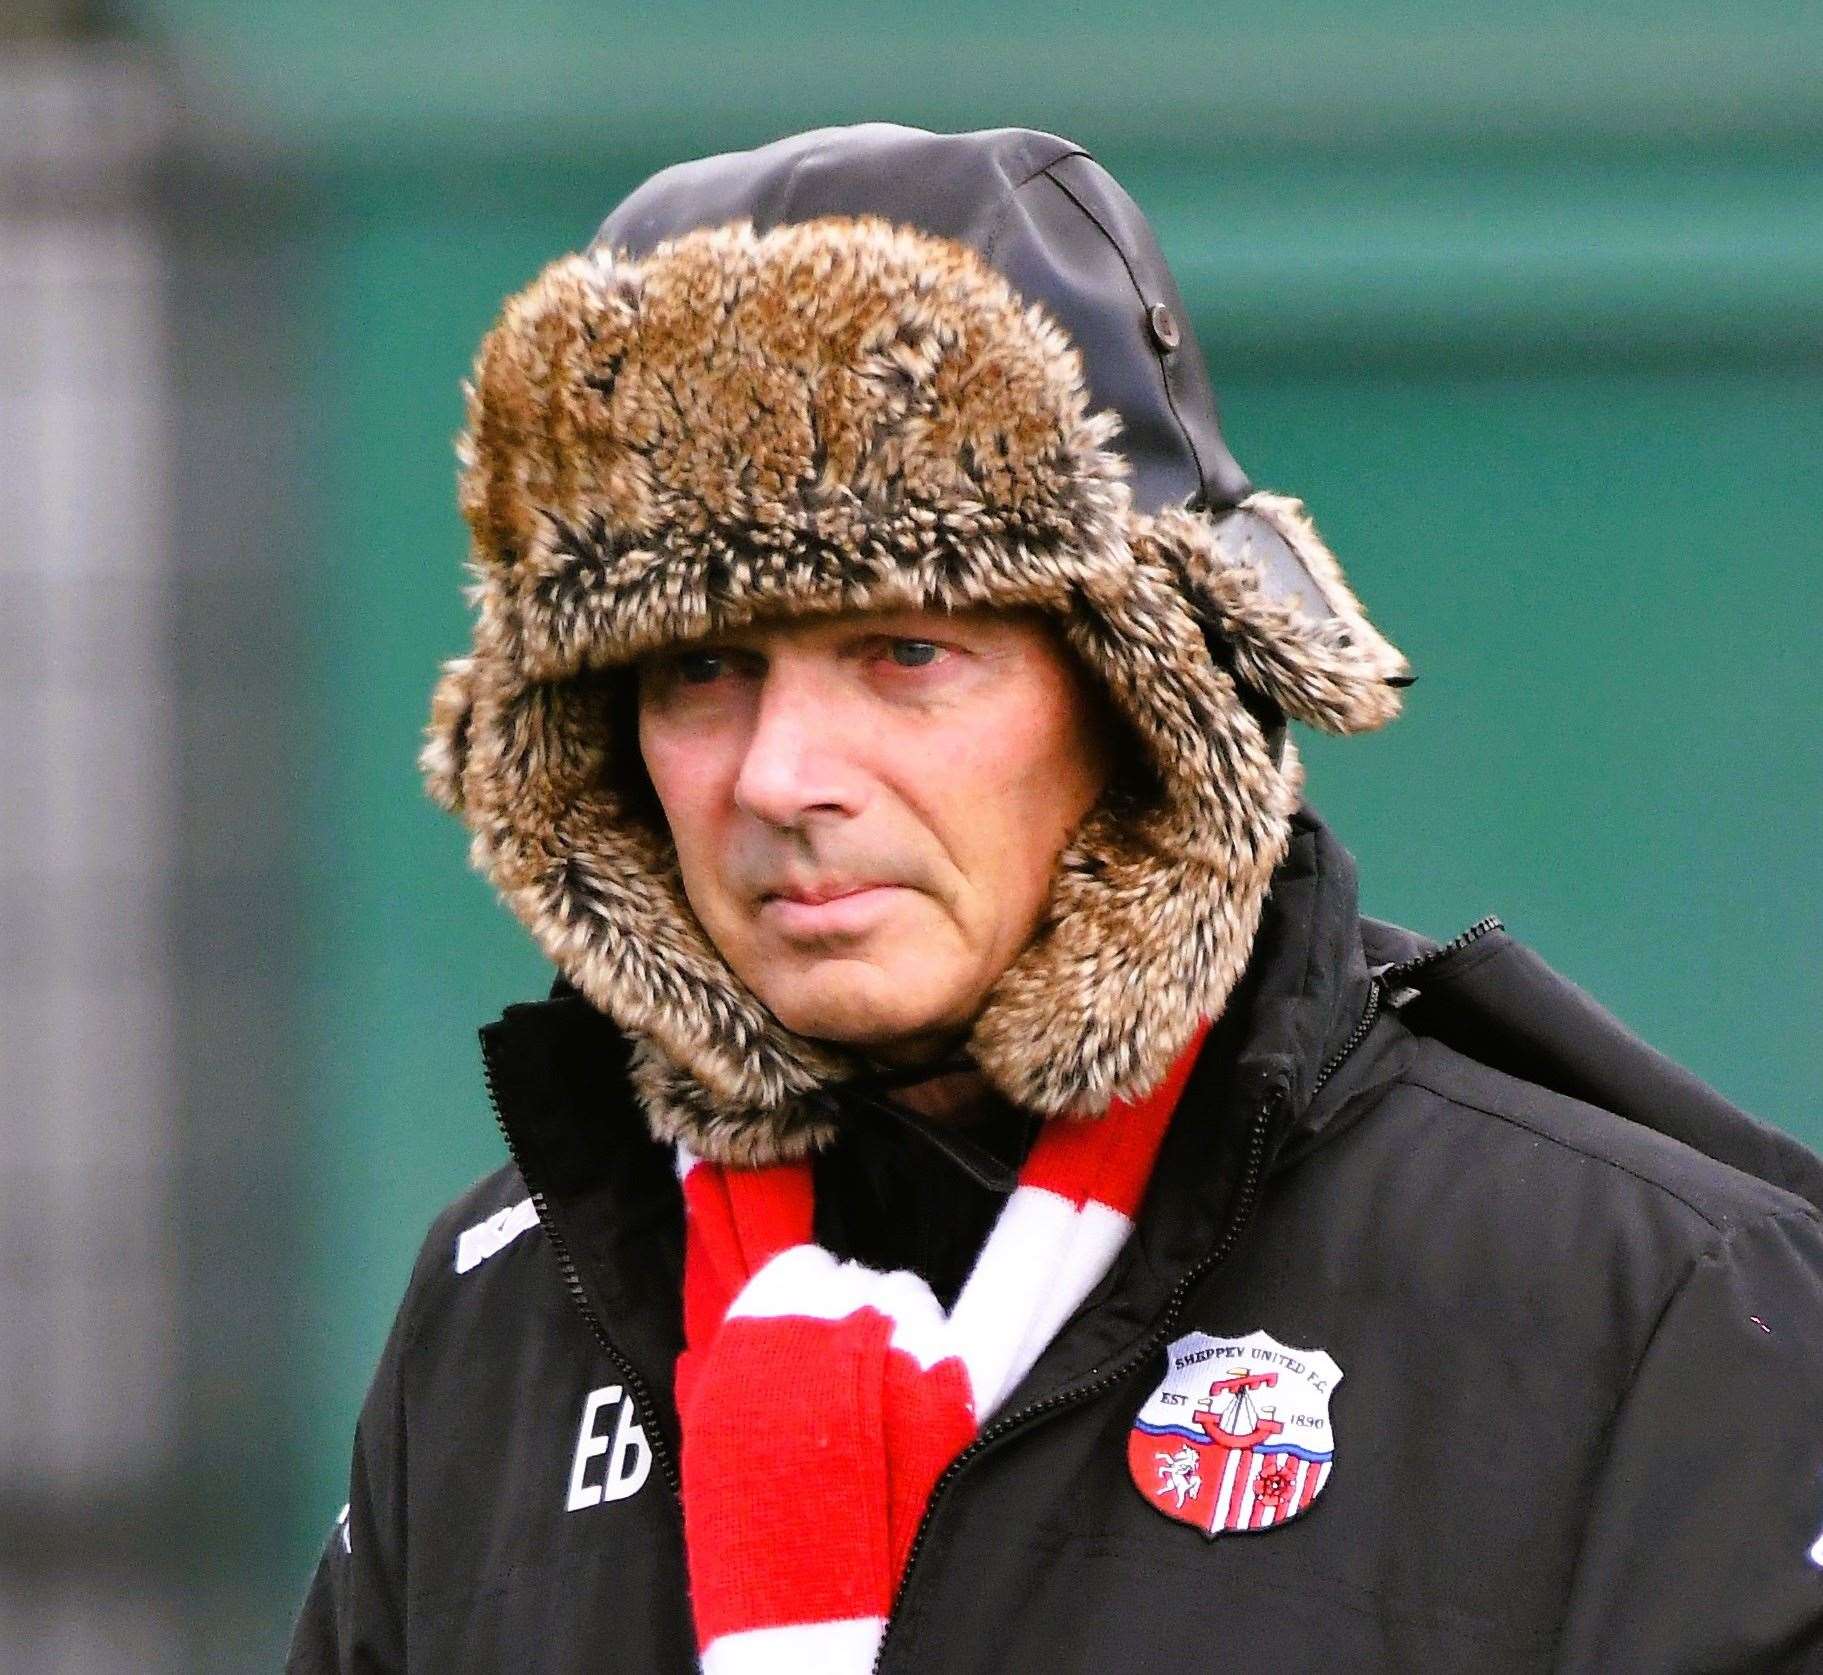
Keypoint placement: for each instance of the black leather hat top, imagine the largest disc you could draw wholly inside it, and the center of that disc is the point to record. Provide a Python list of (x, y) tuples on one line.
[(1040, 211)]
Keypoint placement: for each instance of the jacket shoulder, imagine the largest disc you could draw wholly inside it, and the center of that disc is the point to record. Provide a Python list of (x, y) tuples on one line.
[(493, 1215), (1499, 1003), (1555, 1133), (1488, 1206)]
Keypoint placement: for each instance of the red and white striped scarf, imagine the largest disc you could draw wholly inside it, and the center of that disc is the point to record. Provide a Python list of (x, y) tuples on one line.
[(820, 1400)]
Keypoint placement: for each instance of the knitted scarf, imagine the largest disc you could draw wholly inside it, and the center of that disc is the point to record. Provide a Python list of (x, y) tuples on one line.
[(820, 1400)]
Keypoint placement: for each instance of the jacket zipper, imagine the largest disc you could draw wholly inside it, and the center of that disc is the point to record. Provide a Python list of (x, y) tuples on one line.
[(635, 1383), (1245, 1200), (1404, 969), (1400, 990)]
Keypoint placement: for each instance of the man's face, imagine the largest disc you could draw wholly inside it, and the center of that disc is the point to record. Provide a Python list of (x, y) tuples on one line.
[(868, 809)]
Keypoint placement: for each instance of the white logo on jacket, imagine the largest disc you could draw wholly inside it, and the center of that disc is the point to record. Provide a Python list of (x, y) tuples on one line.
[(623, 1441), (486, 1238)]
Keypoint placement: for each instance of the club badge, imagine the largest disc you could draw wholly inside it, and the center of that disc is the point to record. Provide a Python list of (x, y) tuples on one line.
[(1237, 1437)]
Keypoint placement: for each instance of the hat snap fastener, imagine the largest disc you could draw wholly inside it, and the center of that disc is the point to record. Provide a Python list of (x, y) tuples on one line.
[(1164, 327)]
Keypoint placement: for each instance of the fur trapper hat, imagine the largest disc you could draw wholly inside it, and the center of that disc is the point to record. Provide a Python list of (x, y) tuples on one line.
[(670, 438)]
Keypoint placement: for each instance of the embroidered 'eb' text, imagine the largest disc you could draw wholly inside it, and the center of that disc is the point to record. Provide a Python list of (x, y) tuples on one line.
[(629, 1454)]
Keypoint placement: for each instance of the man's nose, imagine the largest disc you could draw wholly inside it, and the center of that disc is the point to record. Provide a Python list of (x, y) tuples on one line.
[(794, 765)]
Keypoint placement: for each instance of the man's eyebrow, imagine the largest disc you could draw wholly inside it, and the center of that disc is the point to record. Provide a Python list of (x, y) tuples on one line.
[(690, 648)]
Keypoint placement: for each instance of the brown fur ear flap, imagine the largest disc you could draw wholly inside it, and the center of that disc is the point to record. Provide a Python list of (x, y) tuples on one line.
[(1262, 577), (445, 752)]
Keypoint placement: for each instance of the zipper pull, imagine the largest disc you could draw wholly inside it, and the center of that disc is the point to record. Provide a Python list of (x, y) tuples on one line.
[(1395, 995)]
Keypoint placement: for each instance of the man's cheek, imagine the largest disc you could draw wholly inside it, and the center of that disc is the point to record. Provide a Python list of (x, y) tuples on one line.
[(704, 851), (718, 910)]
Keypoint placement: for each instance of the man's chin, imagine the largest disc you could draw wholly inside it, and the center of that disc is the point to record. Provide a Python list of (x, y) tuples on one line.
[(878, 1016)]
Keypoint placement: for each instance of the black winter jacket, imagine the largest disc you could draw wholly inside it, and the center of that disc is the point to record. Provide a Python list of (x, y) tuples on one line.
[(1576, 1298)]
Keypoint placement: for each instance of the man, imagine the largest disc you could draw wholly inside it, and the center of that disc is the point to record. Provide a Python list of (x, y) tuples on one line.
[(982, 1198)]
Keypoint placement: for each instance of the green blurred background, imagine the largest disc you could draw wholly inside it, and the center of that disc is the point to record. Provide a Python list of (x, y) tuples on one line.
[(1523, 302)]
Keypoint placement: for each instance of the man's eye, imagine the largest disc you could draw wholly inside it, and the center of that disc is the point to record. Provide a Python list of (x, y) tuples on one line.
[(698, 668), (914, 654)]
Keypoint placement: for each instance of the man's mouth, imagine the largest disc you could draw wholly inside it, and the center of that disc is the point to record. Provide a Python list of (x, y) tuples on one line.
[(814, 895), (812, 912)]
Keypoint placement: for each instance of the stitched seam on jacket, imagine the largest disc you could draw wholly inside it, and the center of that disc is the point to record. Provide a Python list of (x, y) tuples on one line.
[(1450, 1097)]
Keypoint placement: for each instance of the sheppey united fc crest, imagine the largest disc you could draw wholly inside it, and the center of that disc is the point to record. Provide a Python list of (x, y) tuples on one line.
[(1237, 1437)]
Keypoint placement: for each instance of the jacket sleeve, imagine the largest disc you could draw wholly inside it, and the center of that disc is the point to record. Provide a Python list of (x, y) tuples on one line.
[(1703, 1546), (353, 1617)]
